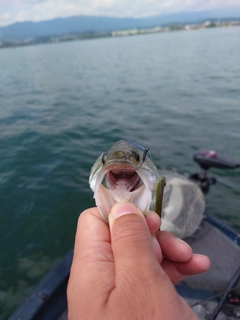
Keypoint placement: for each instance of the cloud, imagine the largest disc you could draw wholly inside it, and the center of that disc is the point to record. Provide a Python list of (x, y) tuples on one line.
[(37, 10)]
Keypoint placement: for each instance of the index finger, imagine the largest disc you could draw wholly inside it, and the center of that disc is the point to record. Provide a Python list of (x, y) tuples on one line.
[(92, 233)]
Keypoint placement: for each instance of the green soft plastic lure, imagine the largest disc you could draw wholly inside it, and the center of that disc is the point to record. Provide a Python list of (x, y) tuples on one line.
[(159, 196), (126, 174)]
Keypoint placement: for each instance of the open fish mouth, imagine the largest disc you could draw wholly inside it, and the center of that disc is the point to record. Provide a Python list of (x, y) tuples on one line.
[(122, 177), (123, 174)]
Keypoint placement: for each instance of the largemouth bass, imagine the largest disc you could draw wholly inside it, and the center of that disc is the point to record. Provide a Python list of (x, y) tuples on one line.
[(125, 174)]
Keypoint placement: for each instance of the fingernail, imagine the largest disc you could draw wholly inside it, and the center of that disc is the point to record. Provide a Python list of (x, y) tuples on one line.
[(183, 242), (155, 241), (121, 209), (180, 240)]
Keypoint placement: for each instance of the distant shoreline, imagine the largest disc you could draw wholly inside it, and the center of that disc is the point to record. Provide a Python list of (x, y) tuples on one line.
[(116, 33)]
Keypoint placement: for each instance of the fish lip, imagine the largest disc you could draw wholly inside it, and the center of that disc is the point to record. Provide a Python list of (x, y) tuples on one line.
[(123, 165)]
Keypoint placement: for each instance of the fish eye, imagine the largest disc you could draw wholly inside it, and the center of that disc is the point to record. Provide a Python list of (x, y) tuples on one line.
[(104, 157), (135, 155)]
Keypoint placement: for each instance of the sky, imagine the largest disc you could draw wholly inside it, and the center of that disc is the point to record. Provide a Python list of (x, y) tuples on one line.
[(12, 11)]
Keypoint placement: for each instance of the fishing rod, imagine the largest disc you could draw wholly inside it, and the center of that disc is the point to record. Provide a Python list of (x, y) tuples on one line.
[(230, 285)]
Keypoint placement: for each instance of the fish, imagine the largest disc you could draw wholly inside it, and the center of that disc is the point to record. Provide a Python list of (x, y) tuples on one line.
[(125, 173)]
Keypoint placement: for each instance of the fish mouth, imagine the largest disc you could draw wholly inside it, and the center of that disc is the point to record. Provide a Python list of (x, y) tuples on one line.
[(121, 183), (122, 177)]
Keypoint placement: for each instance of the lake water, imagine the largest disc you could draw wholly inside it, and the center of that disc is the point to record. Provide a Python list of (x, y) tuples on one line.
[(62, 105)]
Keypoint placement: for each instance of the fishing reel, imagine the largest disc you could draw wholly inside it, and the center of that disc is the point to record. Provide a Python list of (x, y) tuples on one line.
[(210, 159)]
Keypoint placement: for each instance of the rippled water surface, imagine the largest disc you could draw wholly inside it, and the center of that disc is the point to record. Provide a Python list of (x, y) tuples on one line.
[(61, 105)]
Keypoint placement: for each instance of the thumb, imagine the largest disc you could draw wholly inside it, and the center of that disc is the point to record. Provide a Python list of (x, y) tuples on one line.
[(131, 241)]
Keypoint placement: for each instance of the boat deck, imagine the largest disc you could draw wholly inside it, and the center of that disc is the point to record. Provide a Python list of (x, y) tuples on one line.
[(224, 256)]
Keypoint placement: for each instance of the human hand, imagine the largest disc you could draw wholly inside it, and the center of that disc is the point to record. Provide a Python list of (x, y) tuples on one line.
[(119, 272), (174, 255)]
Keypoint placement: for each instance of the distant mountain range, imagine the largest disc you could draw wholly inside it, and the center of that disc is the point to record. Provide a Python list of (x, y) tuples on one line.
[(87, 24)]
